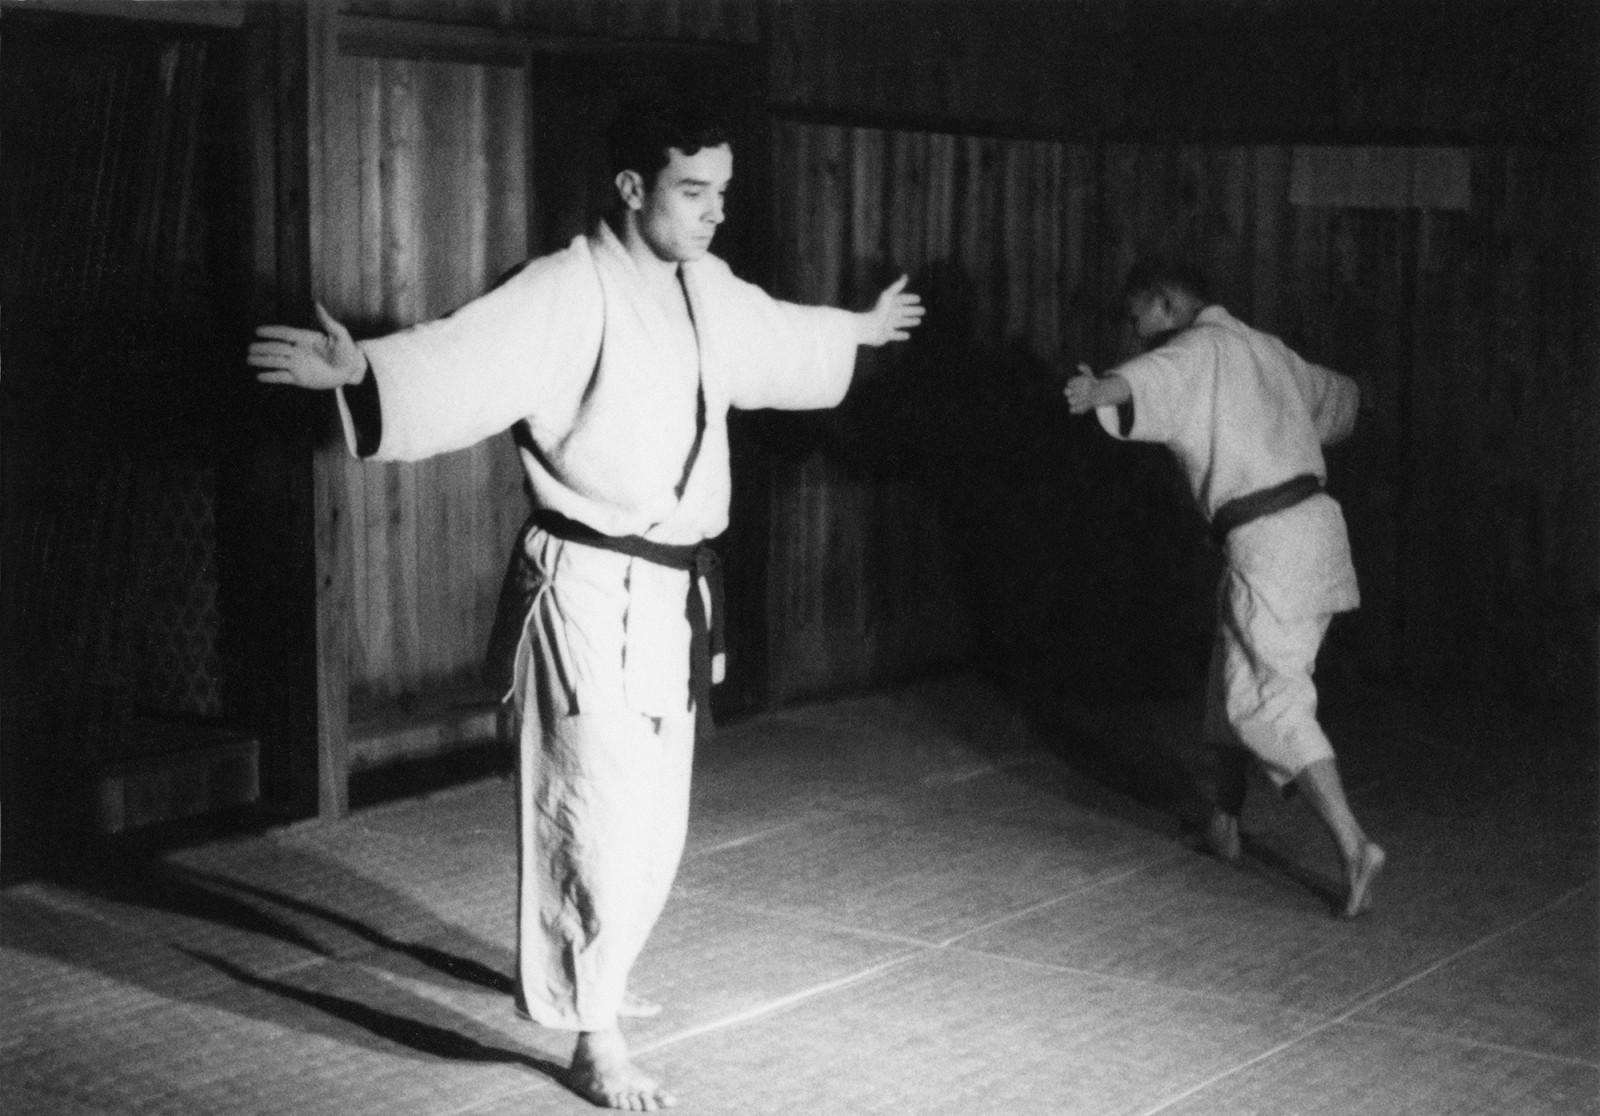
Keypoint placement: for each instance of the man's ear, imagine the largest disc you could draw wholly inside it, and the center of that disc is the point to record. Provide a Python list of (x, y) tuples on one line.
[(630, 188)]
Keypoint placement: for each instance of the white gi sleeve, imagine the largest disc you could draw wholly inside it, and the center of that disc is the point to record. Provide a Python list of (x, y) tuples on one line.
[(1168, 386), (781, 354), (1332, 398), (449, 383)]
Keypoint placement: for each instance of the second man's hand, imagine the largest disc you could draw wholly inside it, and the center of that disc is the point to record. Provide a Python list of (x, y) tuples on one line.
[(307, 358), (892, 317), (1086, 391)]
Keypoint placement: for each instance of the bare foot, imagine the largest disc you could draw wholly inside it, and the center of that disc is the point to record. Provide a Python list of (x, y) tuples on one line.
[(634, 1006), (1360, 874), (602, 1074), (1222, 836)]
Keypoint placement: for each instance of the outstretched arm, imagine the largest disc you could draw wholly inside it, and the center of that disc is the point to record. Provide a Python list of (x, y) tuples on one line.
[(1086, 391), (892, 317), (307, 358)]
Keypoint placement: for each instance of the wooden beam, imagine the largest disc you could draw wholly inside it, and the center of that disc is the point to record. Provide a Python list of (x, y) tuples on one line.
[(371, 36), (423, 40), (220, 14), (327, 145)]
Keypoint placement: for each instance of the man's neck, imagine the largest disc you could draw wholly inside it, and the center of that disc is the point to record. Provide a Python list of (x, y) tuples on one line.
[(658, 274)]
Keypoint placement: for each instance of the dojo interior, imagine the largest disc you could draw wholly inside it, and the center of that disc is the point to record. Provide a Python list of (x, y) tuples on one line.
[(256, 825)]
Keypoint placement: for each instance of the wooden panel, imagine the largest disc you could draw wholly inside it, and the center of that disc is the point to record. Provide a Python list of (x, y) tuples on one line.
[(1244, 69), (1470, 488), (873, 574), (1504, 499), (436, 213)]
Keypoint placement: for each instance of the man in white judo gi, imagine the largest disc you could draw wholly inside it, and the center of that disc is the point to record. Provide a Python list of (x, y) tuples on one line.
[(616, 361), (1246, 418)]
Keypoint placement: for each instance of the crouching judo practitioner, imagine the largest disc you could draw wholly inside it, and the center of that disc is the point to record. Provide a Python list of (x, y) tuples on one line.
[(1246, 418), (615, 361)]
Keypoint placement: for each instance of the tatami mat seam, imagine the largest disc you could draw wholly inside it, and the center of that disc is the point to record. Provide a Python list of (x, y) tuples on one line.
[(1344, 1016), (1468, 1041), (712, 898), (739, 842), (1368, 1000), (1073, 893), (782, 1003), (1140, 982)]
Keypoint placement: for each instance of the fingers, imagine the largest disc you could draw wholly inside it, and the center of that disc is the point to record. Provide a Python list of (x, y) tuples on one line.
[(908, 313), (291, 335), (269, 361), (330, 324), (276, 378), (1084, 369), (263, 351), (1078, 393), (898, 285)]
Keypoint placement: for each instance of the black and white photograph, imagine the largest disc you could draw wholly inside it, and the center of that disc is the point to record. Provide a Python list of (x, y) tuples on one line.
[(778, 557)]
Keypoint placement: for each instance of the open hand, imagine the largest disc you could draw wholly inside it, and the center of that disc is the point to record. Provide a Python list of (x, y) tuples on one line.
[(893, 316), (1082, 391), (305, 357)]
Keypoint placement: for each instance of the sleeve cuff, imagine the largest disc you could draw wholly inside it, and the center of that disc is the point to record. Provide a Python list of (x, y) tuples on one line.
[(1116, 421), (361, 414)]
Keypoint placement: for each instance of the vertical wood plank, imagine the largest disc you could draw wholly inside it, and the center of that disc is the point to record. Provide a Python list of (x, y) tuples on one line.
[(333, 173)]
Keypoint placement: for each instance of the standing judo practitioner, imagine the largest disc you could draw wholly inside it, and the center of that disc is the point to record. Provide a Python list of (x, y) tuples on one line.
[(1246, 418), (616, 361)]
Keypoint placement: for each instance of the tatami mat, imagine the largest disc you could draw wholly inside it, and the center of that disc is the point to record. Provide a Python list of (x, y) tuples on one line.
[(1360, 1071), (959, 1033), (930, 900), (1532, 987)]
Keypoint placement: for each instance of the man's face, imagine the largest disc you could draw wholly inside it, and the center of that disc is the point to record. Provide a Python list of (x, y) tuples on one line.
[(679, 213)]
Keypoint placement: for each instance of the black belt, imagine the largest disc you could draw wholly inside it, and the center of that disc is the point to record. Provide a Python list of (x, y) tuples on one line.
[(706, 633), (1253, 505)]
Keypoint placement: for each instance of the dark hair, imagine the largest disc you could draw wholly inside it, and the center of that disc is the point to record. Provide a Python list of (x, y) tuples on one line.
[(1162, 276), (645, 133)]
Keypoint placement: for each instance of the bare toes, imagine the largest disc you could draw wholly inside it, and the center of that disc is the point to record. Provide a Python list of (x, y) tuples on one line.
[(1365, 874)]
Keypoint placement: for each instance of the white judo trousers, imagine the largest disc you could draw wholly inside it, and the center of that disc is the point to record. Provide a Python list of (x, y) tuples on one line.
[(1286, 577), (603, 809), (602, 789)]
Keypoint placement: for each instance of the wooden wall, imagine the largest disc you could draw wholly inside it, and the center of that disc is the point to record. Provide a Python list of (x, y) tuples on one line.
[(1014, 157), (1470, 488), (1508, 70), (902, 515), (439, 192), (424, 191)]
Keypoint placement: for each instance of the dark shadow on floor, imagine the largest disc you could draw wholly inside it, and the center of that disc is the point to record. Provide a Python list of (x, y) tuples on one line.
[(325, 942)]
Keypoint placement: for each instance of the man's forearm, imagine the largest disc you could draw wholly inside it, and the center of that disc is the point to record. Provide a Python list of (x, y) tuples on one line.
[(1111, 390)]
